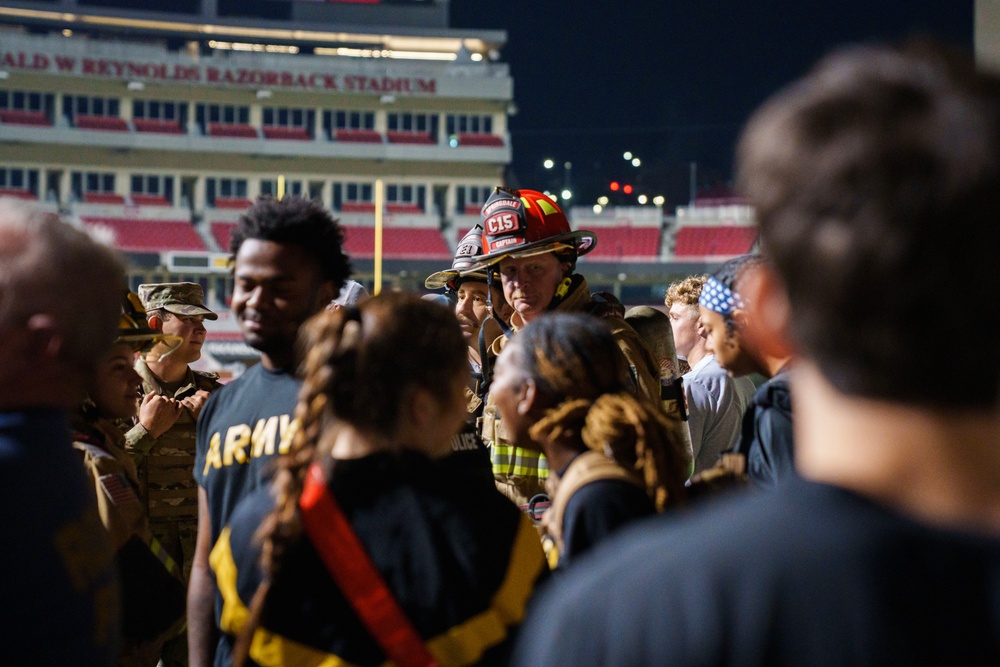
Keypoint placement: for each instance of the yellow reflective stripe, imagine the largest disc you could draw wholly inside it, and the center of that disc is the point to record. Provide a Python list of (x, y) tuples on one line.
[(509, 459), (270, 650), (234, 612), (463, 644)]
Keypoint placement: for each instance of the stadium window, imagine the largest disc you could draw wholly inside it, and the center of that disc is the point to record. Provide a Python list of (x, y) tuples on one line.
[(137, 184), (366, 192), (269, 186), (107, 182), (392, 193), (408, 194), (268, 116)]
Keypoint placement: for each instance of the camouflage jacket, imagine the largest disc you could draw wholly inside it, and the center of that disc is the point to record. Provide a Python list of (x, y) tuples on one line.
[(113, 475), (166, 464)]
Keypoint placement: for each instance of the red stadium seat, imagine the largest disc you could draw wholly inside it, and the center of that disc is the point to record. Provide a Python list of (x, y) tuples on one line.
[(105, 123), (232, 130), (222, 232), (103, 198), (16, 193), (132, 235), (357, 207), (159, 126), (21, 117), (396, 137), (286, 133), (232, 203), (714, 241), (627, 243), (408, 209), (489, 140), (149, 200), (397, 243), (358, 136)]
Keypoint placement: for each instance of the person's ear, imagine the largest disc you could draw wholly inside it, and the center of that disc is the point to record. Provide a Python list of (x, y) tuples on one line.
[(567, 269), (528, 397)]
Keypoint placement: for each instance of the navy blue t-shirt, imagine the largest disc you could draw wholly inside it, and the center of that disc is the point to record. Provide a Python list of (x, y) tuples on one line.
[(807, 574), (241, 430), (59, 601)]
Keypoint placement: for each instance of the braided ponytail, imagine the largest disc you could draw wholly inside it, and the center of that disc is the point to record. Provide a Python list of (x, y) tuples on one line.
[(359, 365), (642, 438)]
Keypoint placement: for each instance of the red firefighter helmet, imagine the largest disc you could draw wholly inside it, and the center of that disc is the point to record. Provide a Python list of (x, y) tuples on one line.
[(522, 223)]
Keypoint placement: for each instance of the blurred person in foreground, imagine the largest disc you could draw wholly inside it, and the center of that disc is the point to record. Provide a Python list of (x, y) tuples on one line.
[(874, 178), (289, 264), (364, 495), (60, 301)]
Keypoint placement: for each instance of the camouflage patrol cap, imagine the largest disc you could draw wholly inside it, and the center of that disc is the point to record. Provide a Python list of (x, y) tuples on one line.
[(177, 298)]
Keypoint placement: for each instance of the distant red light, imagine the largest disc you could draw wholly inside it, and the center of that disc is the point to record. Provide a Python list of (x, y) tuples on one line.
[(614, 186), (627, 189)]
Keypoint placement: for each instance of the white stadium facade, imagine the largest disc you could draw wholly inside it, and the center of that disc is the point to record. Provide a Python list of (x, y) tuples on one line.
[(162, 126)]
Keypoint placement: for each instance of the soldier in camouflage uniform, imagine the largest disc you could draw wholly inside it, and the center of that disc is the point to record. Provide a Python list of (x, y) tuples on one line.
[(162, 441)]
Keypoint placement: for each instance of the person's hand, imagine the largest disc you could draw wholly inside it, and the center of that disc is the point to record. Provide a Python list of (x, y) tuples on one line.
[(195, 401), (158, 413)]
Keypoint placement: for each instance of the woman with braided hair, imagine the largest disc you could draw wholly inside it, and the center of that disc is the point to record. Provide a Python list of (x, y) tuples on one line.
[(451, 559), (617, 457)]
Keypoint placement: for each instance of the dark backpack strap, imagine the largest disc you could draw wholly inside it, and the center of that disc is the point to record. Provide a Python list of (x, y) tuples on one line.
[(352, 570)]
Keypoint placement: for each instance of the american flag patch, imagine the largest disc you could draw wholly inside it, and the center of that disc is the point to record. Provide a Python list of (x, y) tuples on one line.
[(119, 490)]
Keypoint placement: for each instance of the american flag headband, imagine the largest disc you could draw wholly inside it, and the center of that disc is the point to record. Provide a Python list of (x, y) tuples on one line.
[(717, 297)]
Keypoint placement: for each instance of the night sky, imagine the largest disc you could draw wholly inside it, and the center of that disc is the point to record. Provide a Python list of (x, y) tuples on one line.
[(672, 82)]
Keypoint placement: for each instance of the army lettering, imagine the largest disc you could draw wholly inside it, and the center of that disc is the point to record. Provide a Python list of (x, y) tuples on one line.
[(241, 443)]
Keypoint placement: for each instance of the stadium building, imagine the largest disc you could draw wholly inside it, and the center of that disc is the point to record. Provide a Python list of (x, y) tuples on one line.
[(162, 124)]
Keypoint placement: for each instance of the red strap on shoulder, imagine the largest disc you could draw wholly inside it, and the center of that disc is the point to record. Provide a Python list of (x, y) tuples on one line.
[(353, 571)]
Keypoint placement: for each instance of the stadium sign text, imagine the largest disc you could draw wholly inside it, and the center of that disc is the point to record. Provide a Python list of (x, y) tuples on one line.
[(211, 74)]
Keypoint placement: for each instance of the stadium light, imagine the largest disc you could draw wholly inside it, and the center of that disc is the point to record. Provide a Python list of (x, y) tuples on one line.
[(643, 199), (627, 189), (659, 199), (549, 163)]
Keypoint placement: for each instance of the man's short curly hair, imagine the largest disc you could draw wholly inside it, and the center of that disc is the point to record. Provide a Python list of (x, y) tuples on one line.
[(301, 222), (685, 292), (875, 179)]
